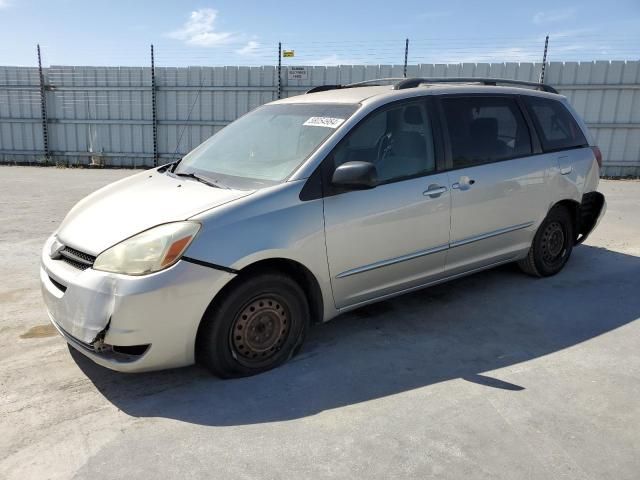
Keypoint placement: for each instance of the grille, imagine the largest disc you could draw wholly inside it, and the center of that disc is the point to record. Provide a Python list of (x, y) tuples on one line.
[(76, 258)]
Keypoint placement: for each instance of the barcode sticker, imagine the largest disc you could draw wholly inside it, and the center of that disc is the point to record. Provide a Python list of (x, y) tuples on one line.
[(328, 122)]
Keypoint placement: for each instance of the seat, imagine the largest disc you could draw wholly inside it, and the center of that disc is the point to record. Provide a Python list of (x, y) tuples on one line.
[(408, 153), (485, 143)]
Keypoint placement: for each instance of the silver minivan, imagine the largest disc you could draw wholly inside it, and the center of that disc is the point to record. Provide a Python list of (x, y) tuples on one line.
[(314, 205)]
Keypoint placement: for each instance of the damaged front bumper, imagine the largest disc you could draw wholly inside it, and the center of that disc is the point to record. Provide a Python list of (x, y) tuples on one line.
[(129, 323)]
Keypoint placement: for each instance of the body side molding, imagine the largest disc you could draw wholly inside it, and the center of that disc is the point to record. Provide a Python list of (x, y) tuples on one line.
[(422, 253)]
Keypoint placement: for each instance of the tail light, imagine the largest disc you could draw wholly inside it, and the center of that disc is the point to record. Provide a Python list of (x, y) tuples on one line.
[(598, 154)]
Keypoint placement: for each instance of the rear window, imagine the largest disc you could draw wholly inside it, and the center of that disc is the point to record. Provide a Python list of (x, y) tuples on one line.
[(485, 129), (556, 126)]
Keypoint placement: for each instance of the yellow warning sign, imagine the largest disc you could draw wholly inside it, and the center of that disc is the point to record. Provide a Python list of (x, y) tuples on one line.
[(288, 53)]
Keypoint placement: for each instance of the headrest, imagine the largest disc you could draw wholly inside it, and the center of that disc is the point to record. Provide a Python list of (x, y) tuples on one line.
[(413, 115), (485, 128)]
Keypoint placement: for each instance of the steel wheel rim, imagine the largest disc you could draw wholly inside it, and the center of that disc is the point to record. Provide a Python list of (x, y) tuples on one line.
[(553, 243), (260, 330)]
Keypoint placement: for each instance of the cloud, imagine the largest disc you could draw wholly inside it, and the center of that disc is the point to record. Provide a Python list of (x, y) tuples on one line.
[(553, 16), (249, 49), (199, 30)]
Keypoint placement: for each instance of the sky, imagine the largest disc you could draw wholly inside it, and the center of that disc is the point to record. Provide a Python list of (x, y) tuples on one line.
[(243, 32)]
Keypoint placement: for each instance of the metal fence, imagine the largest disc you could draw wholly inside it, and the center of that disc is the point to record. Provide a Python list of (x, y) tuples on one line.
[(138, 116)]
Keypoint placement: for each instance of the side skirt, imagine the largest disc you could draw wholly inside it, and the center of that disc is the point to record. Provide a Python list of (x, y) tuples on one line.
[(428, 284)]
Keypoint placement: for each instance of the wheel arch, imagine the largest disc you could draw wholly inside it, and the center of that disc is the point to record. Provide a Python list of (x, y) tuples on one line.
[(573, 207), (584, 215), (300, 273), (292, 268)]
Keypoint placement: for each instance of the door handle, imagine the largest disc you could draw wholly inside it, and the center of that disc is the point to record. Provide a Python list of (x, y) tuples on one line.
[(463, 184), (434, 191), (566, 170)]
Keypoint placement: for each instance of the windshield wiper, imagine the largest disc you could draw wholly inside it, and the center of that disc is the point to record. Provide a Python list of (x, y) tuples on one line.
[(201, 179)]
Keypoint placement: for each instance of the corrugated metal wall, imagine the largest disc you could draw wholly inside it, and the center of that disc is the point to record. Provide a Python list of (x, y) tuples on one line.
[(105, 113)]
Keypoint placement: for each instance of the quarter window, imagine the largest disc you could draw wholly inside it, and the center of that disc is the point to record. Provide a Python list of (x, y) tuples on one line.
[(485, 129), (398, 141), (557, 128)]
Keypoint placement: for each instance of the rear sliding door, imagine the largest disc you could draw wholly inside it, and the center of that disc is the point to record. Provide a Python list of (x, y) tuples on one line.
[(497, 177)]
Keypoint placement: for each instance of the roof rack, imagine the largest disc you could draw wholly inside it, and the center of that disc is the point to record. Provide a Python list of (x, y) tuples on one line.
[(414, 82), (403, 83), (376, 82), (324, 88)]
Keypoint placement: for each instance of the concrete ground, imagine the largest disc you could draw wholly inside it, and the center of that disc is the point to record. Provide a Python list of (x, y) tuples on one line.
[(497, 376)]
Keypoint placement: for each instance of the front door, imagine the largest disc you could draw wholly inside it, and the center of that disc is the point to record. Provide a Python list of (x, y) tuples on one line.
[(395, 236)]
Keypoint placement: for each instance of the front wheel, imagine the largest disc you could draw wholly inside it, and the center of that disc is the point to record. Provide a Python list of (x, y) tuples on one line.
[(552, 245), (256, 326)]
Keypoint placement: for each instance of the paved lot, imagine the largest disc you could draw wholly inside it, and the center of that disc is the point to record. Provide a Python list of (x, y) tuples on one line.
[(496, 376)]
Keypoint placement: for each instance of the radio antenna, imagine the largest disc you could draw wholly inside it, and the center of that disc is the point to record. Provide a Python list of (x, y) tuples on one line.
[(184, 126)]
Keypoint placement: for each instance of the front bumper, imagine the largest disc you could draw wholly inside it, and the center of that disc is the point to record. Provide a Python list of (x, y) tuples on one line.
[(156, 316)]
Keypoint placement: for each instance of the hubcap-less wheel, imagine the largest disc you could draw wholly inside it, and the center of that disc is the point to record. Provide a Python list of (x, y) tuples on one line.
[(553, 240), (256, 324), (259, 331), (552, 244)]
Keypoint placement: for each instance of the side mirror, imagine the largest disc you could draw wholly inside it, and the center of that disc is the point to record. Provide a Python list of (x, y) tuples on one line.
[(355, 176)]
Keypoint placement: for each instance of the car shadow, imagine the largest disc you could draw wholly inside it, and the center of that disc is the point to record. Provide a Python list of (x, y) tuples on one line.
[(461, 329)]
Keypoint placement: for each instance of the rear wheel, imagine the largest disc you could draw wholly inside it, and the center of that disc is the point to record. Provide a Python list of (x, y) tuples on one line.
[(552, 245), (256, 326)]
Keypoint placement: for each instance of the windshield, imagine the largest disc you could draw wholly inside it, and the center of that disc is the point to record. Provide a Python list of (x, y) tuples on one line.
[(266, 145)]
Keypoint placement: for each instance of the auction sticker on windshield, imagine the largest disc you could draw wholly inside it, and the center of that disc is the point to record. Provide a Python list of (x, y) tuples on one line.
[(328, 122)]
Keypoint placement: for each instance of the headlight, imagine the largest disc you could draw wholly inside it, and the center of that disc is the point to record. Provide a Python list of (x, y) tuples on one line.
[(150, 251)]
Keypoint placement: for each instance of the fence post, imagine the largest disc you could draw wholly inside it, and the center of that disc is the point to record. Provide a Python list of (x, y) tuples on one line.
[(544, 58), (279, 70), (406, 56), (154, 113), (43, 111)]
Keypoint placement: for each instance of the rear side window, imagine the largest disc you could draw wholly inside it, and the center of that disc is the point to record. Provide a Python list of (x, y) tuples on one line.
[(556, 126), (485, 129)]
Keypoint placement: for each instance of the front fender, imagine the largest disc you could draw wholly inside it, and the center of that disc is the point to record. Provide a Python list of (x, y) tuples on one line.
[(270, 224)]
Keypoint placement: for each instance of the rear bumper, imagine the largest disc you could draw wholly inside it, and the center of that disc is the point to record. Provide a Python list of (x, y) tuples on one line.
[(156, 316), (592, 209)]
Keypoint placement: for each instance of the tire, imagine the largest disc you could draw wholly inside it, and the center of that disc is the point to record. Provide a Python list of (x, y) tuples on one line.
[(256, 326), (552, 245)]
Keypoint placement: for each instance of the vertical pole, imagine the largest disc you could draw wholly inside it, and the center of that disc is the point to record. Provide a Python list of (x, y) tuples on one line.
[(406, 56), (43, 111), (544, 58), (279, 70), (154, 114)]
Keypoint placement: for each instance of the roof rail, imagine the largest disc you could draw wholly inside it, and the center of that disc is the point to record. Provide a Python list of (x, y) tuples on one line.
[(403, 83), (324, 88), (376, 82), (414, 82)]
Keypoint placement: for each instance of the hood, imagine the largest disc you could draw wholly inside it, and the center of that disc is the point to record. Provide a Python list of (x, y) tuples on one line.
[(129, 206)]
